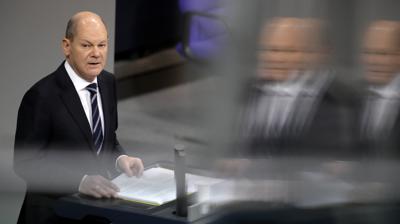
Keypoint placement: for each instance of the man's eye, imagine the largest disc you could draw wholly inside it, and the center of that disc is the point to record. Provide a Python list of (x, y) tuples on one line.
[(102, 45), (85, 45)]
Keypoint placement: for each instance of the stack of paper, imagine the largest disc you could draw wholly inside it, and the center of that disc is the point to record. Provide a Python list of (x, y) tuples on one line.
[(157, 186)]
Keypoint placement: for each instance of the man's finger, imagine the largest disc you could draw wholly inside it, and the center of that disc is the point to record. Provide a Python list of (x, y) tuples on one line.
[(111, 192), (105, 191), (94, 194), (138, 171), (127, 169), (102, 192), (138, 167), (111, 185), (134, 170), (128, 172), (141, 168)]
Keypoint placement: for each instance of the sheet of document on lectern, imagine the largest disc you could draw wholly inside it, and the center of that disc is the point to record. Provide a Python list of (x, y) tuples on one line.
[(157, 186)]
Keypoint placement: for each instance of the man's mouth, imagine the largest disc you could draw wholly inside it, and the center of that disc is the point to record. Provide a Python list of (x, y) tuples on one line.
[(94, 63), (379, 71)]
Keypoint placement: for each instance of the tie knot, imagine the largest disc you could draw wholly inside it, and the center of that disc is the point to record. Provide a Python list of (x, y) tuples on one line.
[(92, 88)]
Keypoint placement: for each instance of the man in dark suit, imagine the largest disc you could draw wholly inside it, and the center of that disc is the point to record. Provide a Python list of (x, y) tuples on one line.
[(294, 108), (66, 130), (380, 117)]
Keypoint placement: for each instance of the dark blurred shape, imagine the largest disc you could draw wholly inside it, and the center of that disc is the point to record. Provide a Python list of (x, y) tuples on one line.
[(293, 106), (180, 180), (380, 124), (143, 27), (205, 31), (264, 213)]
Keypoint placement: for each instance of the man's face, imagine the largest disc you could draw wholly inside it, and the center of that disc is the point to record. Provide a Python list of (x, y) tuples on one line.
[(284, 49), (87, 51), (381, 54)]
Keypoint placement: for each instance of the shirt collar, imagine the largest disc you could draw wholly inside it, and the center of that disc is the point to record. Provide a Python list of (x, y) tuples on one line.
[(79, 82), (290, 87), (390, 90), (308, 84)]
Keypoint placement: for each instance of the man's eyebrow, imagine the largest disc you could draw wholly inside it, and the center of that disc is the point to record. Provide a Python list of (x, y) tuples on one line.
[(279, 48), (380, 51), (84, 40)]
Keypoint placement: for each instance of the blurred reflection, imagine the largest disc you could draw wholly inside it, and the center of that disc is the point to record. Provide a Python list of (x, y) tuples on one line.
[(289, 47), (300, 122), (293, 109), (381, 58)]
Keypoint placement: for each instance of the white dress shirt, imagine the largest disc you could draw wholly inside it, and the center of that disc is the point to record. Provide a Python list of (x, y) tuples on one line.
[(80, 85), (287, 105), (381, 110)]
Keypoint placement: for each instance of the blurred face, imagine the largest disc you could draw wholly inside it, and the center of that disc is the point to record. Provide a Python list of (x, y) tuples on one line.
[(87, 51), (285, 48), (381, 54)]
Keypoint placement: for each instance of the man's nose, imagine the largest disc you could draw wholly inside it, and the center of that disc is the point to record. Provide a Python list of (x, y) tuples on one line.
[(95, 52)]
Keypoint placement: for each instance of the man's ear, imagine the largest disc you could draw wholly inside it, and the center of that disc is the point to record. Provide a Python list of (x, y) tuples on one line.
[(66, 46)]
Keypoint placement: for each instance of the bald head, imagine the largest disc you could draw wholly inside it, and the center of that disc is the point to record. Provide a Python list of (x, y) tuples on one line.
[(290, 31), (383, 34), (85, 45), (82, 18), (288, 45), (381, 51)]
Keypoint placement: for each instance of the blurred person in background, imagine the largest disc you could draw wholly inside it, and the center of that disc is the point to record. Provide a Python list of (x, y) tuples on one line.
[(380, 123), (298, 121), (293, 106)]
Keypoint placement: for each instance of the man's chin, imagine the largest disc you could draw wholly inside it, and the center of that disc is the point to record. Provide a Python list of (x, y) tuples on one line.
[(94, 72), (91, 75), (379, 79), (274, 74)]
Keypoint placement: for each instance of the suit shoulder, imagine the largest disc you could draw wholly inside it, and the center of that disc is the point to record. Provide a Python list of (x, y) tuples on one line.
[(43, 88), (108, 76), (105, 72)]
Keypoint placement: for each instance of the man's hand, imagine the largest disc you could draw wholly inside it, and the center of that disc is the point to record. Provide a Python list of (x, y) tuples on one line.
[(131, 166), (98, 187)]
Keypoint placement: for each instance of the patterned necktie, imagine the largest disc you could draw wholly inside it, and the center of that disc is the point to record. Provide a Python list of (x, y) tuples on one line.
[(97, 133)]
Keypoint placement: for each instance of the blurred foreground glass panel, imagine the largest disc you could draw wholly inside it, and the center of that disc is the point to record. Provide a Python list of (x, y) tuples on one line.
[(304, 114)]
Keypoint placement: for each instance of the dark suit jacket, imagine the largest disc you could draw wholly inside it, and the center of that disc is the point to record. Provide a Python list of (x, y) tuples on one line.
[(386, 146), (330, 132), (53, 141)]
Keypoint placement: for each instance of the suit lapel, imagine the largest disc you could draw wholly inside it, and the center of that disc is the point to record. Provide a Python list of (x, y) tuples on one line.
[(73, 104)]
